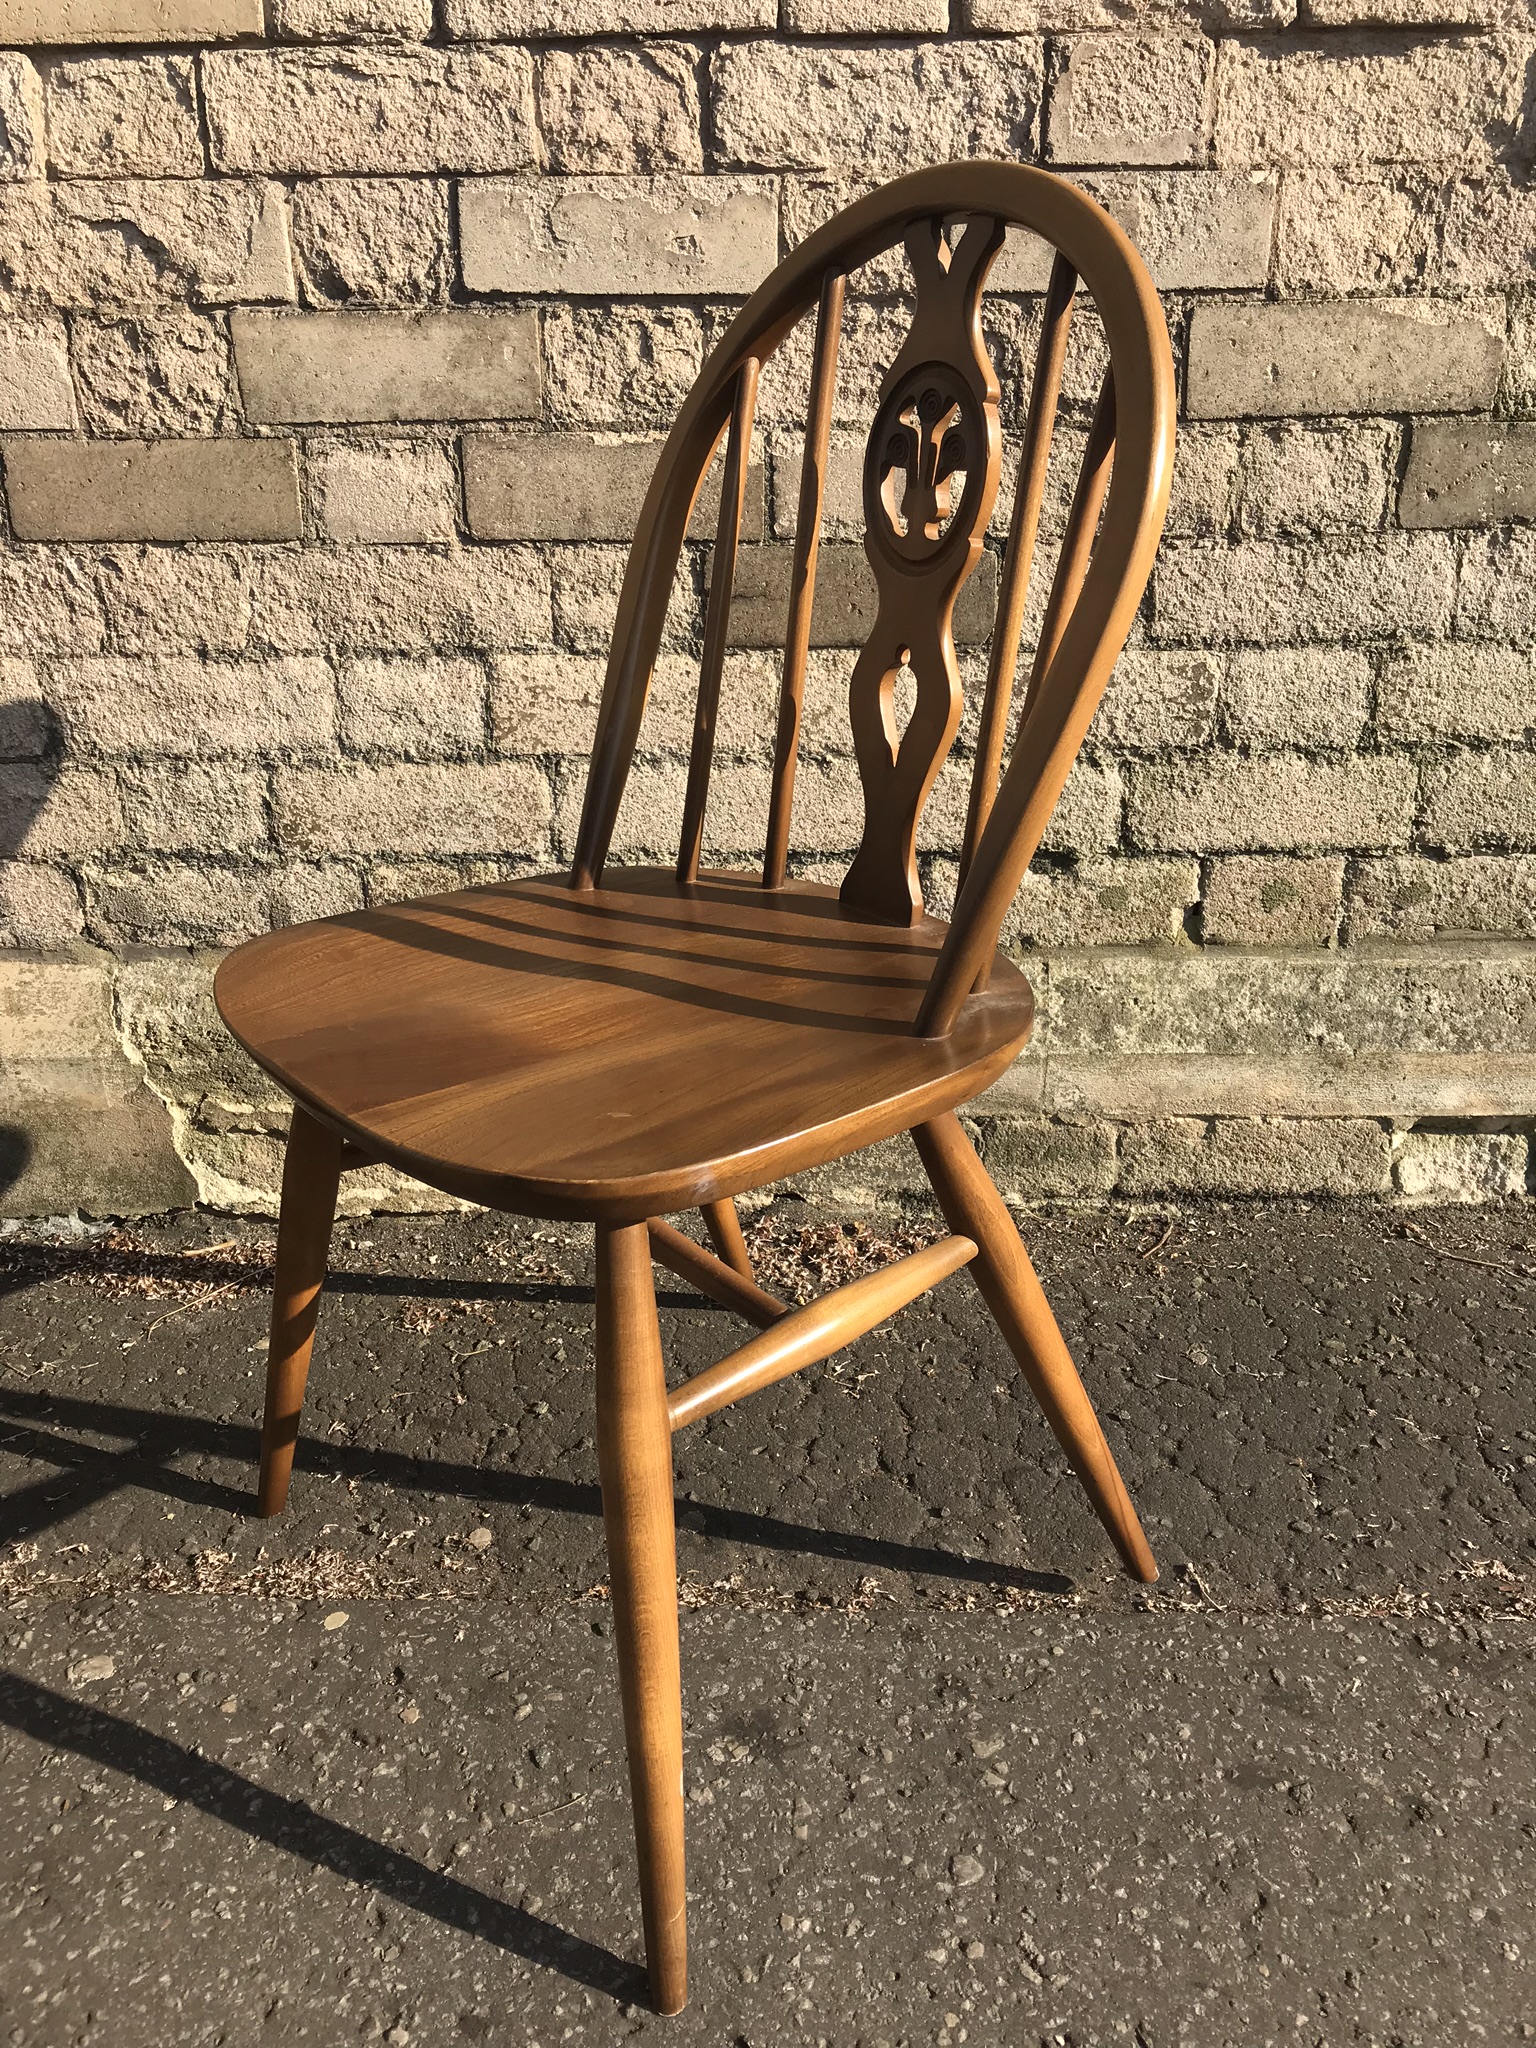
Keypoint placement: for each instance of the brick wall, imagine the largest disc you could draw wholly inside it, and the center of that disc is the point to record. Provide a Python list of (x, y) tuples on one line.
[(335, 344)]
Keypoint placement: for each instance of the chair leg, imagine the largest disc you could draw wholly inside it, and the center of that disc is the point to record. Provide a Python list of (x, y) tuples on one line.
[(311, 1172), (1008, 1282), (634, 1457), (724, 1227)]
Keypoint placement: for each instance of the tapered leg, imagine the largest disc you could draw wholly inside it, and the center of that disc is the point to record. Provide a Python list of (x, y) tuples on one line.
[(973, 1208), (311, 1171), (724, 1227), (634, 1459)]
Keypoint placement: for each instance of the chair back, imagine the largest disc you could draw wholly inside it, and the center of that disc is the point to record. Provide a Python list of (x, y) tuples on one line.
[(930, 479)]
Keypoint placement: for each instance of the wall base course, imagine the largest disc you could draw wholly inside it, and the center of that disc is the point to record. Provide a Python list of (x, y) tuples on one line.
[(1028, 1157), (82, 1131), (1399, 1088), (1460, 1166), (1466, 998), (1185, 1156)]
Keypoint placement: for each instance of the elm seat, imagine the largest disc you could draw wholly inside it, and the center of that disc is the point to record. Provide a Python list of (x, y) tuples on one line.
[(539, 1049)]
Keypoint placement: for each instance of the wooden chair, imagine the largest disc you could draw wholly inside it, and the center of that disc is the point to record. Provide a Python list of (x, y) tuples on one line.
[(617, 1046)]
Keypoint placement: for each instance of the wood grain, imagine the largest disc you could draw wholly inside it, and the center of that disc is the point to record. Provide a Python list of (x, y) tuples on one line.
[(724, 1227), (311, 1175), (634, 1462), (701, 1269), (1012, 1291), (807, 1335), (618, 1055)]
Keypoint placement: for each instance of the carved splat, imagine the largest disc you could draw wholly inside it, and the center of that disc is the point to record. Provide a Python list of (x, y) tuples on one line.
[(930, 479)]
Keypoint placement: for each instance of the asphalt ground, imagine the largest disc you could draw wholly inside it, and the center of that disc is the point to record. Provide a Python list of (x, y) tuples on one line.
[(357, 1774)]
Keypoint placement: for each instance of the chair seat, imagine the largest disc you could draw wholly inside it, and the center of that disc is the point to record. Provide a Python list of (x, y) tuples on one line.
[(616, 1054)]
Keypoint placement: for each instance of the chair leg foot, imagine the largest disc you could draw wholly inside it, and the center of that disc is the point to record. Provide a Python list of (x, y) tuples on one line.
[(311, 1172), (724, 1227), (1012, 1290), (634, 1455)]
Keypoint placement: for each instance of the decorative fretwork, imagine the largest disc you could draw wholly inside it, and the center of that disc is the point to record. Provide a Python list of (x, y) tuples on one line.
[(930, 479)]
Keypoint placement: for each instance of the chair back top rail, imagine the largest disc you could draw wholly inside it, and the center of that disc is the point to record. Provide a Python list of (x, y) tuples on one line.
[(930, 478)]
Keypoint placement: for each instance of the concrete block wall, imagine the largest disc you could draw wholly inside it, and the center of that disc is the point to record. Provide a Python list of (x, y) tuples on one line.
[(336, 343)]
